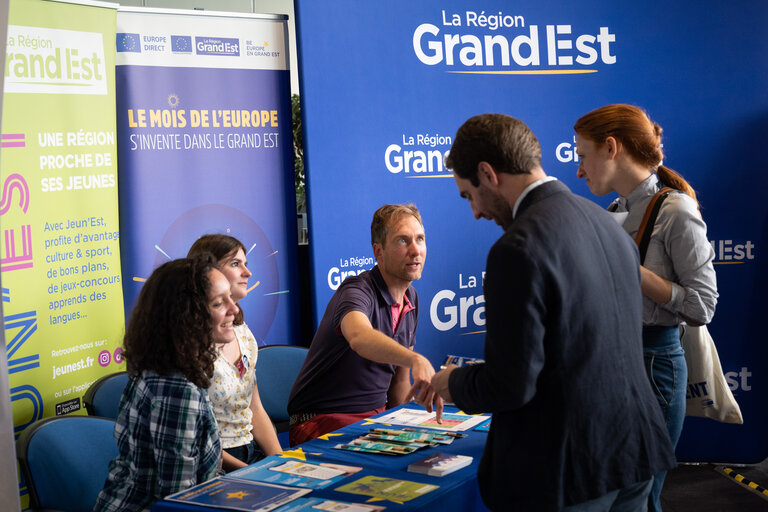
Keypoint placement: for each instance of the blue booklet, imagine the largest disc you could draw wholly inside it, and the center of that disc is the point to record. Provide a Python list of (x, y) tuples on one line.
[(293, 472), (235, 494)]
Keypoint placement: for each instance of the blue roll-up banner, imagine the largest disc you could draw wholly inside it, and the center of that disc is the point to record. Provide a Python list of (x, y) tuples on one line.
[(205, 146), (386, 85)]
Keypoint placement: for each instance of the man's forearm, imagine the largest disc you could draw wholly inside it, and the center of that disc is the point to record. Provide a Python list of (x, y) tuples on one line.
[(382, 349), (372, 344), (399, 389)]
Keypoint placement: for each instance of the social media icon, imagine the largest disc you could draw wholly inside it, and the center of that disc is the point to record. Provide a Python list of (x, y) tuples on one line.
[(105, 358)]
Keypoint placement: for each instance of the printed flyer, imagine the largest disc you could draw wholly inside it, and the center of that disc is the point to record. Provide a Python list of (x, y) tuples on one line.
[(422, 418), (233, 494), (278, 470), (314, 504), (390, 489)]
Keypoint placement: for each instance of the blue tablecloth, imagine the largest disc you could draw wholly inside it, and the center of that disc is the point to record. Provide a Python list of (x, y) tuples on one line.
[(457, 491)]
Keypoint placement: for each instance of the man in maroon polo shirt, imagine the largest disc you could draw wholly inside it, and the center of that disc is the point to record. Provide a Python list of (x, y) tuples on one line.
[(359, 361)]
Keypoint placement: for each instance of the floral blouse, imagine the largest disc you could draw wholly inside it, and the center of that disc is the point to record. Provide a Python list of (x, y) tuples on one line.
[(230, 393)]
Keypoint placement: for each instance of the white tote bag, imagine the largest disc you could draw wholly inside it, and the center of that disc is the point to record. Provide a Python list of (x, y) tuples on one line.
[(708, 393)]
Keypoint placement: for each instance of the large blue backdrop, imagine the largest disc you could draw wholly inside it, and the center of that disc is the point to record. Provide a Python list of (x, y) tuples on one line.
[(385, 85)]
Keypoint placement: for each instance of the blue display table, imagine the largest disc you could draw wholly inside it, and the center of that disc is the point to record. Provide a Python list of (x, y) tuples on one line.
[(457, 491)]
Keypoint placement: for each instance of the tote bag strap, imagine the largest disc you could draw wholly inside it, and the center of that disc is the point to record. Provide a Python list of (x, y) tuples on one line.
[(643, 237)]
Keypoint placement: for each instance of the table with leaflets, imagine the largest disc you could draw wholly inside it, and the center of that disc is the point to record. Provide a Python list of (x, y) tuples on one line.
[(320, 473)]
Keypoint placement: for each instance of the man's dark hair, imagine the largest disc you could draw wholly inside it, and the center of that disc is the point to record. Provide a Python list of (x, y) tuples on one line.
[(503, 141)]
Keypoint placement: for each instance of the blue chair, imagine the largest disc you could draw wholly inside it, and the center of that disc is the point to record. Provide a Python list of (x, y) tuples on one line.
[(276, 368), (65, 461), (103, 396)]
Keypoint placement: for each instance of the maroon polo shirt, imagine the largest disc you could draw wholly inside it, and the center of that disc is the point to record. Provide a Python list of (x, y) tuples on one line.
[(334, 379)]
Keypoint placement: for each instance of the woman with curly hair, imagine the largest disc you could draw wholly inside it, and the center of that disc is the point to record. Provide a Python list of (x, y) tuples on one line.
[(166, 433), (246, 432)]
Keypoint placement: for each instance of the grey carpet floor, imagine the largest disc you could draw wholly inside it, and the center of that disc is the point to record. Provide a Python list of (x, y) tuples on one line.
[(701, 488)]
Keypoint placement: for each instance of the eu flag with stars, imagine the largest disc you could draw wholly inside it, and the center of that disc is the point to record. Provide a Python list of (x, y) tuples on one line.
[(127, 42), (181, 44)]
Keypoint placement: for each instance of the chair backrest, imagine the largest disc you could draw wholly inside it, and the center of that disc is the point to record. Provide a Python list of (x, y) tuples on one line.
[(276, 368), (103, 396), (65, 461)]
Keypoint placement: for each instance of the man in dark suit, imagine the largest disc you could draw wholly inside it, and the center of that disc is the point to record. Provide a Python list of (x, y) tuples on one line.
[(575, 424)]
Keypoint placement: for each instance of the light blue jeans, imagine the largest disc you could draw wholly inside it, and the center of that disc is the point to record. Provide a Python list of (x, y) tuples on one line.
[(666, 369)]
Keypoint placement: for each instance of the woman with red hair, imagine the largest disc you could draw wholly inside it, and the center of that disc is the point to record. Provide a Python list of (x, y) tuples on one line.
[(619, 150)]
